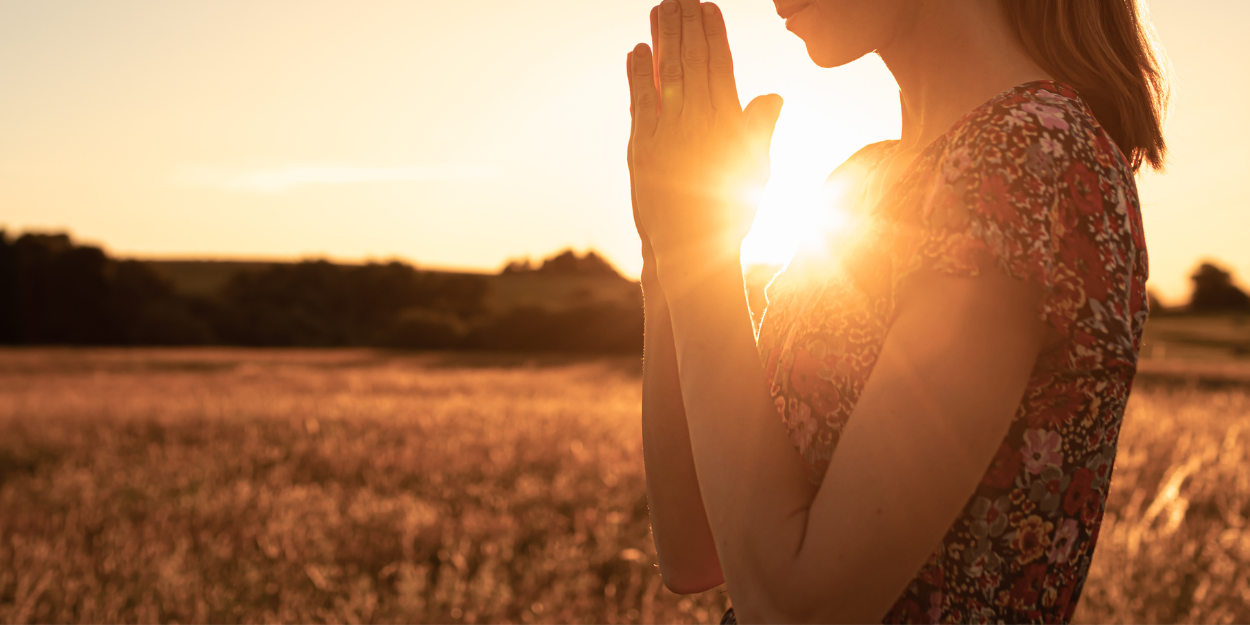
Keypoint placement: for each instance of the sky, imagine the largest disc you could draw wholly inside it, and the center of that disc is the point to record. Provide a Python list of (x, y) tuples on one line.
[(461, 135)]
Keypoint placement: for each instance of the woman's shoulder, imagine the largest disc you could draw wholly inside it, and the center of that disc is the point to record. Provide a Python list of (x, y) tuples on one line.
[(873, 151), (1039, 129), (864, 159), (1031, 184)]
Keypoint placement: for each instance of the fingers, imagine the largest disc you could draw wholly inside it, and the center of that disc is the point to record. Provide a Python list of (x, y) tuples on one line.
[(655, 31), (629, 152), (720, 64), (642, 92), (761, 119), (648, 256), (694, 52), (629, 77), (669, 67), (629, 147)]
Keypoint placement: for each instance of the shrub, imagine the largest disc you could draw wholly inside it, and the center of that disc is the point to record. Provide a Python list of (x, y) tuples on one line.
[(419, 328)]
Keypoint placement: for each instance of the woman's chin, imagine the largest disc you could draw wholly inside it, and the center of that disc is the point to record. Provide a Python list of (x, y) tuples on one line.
[(828, 58), (823, 51), (820, 58)]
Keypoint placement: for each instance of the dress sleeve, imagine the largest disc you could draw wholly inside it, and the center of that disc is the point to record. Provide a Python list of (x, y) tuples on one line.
[(1007, 195)]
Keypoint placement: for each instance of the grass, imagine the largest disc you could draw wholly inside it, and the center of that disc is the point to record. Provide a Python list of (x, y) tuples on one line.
[(361, 486)]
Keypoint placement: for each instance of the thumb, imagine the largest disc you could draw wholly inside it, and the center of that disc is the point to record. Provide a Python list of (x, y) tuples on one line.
[(761, 118)]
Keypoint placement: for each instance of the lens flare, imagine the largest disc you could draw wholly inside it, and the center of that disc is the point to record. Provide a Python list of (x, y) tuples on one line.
[(794, 216)]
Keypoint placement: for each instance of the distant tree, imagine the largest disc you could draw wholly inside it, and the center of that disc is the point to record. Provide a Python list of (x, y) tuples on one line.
[(63, 292), (568, 263), (151, 312), (1214, 291), (1155, 306), (593, 328), (10, 294), (565, 263), (521, 265), (317, 303), (421, 328), (55, 292), (463, 295)]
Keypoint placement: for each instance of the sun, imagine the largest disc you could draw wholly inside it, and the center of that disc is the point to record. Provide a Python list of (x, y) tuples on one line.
[(798, 207), (803, 207), (792, 215)]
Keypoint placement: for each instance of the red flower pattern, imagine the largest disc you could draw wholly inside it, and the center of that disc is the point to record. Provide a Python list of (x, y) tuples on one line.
[(1031, 185)]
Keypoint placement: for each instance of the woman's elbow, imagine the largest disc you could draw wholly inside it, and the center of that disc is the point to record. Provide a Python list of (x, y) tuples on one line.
[(799, 600), (691, 578)]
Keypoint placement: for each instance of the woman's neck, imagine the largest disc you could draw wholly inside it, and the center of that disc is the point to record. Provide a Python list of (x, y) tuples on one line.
[(948, 58)]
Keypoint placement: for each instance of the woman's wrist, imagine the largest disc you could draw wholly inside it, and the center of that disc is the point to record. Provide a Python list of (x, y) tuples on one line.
[(685, 271), (652, 293)]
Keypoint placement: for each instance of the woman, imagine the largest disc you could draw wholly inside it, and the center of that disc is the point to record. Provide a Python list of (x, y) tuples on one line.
[(926, 427)]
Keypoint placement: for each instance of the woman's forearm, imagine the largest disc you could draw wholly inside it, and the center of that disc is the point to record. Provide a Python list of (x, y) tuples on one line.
[(756, 491), (683, 539), (940, 400)]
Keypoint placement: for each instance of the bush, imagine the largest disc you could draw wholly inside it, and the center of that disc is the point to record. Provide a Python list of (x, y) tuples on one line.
[(603, 328), (317, 303), (1214, 291), (55, 292), (418, 328)]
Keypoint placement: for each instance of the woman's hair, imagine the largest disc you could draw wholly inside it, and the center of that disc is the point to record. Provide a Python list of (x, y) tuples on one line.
[(1107, 51)]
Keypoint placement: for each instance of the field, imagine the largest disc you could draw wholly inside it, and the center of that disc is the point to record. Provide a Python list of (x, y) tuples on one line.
[(364, 486)]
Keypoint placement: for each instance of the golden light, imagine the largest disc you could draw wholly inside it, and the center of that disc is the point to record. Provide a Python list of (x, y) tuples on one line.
[(798, 208)]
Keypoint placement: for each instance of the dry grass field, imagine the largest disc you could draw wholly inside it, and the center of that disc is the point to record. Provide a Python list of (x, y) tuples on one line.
[(360, 486)]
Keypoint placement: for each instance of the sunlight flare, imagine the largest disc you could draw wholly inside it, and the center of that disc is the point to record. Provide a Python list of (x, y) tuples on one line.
[(803, 206), (797, 214)]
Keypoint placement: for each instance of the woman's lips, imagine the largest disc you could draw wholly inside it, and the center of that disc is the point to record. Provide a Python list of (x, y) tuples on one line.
[(789, 9)]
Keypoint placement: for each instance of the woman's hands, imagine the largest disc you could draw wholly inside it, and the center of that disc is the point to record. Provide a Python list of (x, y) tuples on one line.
[(697, 159)]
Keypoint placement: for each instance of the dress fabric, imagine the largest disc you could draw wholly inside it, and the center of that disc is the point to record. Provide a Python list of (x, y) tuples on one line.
[(1027, 184)]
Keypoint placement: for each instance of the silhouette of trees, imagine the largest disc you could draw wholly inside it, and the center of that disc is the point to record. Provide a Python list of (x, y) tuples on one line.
[(594, 328), (317, 303), (55, 292), (1153, 304), (566, 263), (419, 328), (1214, 291)]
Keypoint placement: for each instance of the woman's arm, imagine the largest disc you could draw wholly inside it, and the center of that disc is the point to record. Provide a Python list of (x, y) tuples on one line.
[(930, 418), (938, 403), (683, 539)]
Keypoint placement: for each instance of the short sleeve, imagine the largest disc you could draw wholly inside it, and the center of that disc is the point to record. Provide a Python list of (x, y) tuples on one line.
[(1018, 190)]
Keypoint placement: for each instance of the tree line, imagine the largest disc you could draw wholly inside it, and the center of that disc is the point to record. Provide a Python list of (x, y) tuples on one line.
[(54, 291)]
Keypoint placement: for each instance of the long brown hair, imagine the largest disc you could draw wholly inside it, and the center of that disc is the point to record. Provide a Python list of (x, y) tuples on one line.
[(1107, 51)]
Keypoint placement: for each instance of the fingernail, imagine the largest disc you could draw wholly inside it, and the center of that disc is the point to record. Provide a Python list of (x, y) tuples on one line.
[(709, 9), (669, 6)]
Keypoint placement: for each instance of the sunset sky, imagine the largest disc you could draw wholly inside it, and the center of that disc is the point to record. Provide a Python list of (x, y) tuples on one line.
[(457, 134)]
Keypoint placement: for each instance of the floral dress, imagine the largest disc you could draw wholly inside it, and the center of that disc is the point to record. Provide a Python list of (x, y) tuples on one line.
[(1028, 184)]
